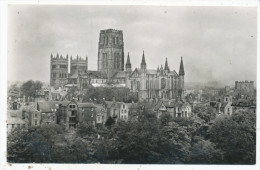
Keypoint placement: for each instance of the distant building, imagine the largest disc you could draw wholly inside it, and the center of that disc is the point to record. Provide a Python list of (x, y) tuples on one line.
[(246, 86)]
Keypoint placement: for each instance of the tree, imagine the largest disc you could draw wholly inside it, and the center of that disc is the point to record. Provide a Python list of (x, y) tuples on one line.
[(85, 129), (236, 136), (110, 121), (14, 91), (205, 152), (175, 144), (30, 88), (165, 119), (27, 145), (206, 113)]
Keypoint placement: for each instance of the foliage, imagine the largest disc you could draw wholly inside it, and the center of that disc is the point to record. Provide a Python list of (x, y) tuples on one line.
[(236, 136), (86, 129), (110, 121), (225, 140), (205, 152), (14, 91), (206, 113), (27, 145), (30, 87)]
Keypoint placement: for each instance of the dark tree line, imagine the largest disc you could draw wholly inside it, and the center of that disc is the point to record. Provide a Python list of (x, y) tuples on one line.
[(224, 140), (27, 89)]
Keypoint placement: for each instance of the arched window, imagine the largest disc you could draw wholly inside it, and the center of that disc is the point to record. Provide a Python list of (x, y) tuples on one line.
[(115, 60), (118, 61), (138, 85)]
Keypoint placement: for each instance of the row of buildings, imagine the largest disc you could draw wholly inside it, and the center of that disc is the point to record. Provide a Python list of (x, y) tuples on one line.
[(69, 114)]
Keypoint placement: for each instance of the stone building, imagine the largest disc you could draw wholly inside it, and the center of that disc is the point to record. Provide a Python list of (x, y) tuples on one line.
[(149, 84), (58, 71), (223, 107), (246, 86), (152, 84), (111, 52), (78, 65)]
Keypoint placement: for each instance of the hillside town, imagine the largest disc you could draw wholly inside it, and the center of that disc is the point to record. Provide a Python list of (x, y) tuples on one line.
[(81, 108)]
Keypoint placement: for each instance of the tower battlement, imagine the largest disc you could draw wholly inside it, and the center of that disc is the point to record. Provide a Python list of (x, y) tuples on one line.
[(59, 57)]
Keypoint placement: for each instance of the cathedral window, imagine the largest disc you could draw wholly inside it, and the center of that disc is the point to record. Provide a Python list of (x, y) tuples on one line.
[(138, 85), (106, 40), (118, 60), (114, 40), (117, 40), (115, 60)]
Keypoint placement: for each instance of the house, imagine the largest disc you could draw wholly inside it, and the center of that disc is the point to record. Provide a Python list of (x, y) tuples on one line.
[(15, 120), (117, 110), (87, 113), (174, 108), (223, 107), (48, 111), (31, 115), (101, 113), (133, 113)]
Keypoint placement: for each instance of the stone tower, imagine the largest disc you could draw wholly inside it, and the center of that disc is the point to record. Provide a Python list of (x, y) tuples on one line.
[(58, 71), (111, 51), (78, 65)]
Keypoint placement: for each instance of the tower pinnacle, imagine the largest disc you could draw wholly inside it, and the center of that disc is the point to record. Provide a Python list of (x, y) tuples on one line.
[(143, 63), (181, 71)]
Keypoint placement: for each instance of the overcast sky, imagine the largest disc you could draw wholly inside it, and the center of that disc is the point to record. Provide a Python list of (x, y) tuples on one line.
[(217, 43)]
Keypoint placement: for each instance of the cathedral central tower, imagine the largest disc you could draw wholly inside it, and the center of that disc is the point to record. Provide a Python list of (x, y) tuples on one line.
[(111, 51)]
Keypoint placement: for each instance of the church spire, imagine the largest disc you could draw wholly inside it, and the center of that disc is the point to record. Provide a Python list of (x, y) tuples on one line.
[(166, 67), (143, 63), (181, 71), (128, 63)]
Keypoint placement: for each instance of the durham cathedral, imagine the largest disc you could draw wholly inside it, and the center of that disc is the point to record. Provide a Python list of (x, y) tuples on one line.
[(149, 84)]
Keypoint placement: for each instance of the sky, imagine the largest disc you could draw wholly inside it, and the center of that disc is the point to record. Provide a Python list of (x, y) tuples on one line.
[(216, 43)]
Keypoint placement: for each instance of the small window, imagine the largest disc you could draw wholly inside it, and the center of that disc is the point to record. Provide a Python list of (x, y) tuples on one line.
[(35, 123), (23, 125), (12, 125), (73, 113), (35, 115)]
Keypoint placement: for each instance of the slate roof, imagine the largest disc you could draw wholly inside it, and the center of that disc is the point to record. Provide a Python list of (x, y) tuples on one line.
[(86, 105), (95, 74), (119, 74), (47, 106), (14, 117)]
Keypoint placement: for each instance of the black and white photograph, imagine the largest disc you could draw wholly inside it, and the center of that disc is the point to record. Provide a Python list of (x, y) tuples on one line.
[(131, 84)]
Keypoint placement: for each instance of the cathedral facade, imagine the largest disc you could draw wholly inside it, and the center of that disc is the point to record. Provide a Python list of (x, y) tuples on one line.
[(149, 84)]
